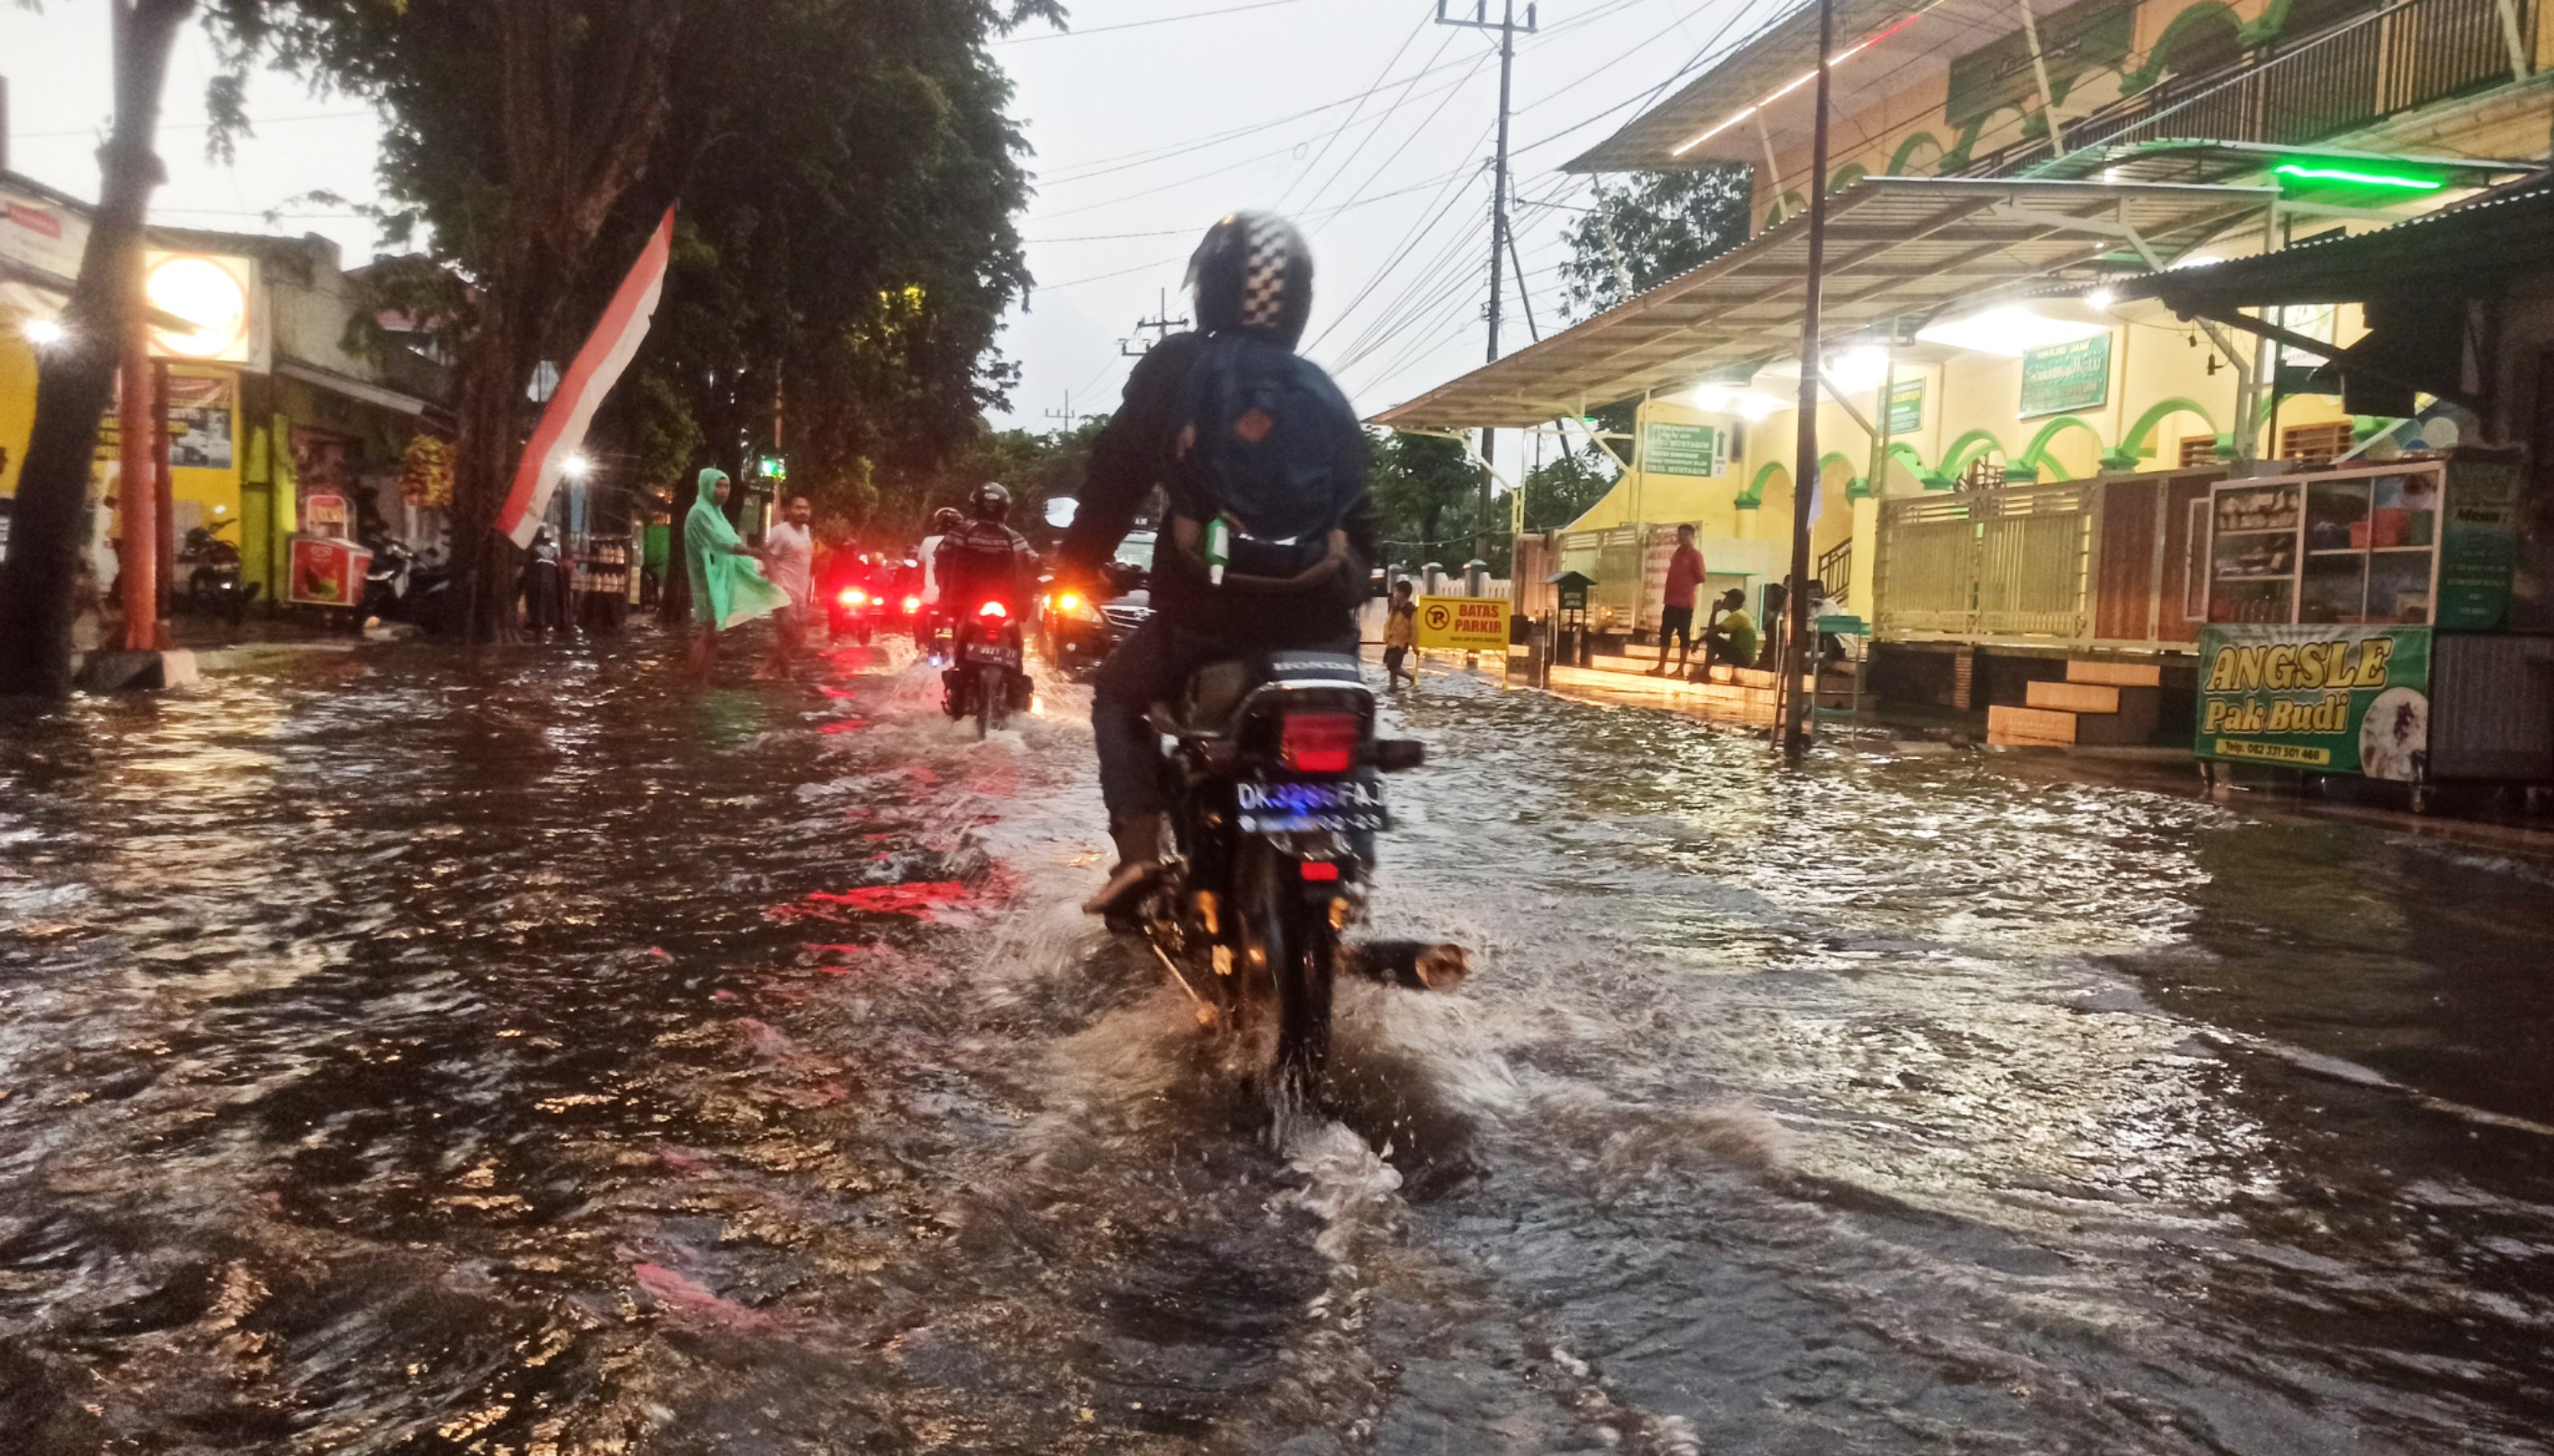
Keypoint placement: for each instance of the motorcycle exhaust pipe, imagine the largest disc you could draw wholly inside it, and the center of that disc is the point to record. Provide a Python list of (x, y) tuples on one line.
[(1416, 966)]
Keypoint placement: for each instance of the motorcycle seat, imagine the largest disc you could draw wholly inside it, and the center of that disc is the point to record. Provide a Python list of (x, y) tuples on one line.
[(1214, 692)]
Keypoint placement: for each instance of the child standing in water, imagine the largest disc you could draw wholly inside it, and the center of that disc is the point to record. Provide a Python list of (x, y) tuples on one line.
[(1400, 634)]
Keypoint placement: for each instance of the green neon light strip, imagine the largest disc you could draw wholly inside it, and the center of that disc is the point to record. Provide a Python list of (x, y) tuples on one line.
[(2360, 178)]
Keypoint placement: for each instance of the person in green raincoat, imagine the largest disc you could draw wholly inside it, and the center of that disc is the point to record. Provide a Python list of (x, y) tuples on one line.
[(726, 581)]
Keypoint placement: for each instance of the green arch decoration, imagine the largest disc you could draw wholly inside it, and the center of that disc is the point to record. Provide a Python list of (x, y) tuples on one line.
[(2035, 454), (1845, 176), (1900, 159), (1969, 447), (2138, 443), (1754, 495), (1786, 207), (1901, 450), (2176, 34)]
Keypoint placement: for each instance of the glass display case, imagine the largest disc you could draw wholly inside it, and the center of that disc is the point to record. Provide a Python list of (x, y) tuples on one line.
[(2347, 546)]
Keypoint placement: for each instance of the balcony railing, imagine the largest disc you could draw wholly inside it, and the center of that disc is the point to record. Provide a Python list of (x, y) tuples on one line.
[(2363, 70)]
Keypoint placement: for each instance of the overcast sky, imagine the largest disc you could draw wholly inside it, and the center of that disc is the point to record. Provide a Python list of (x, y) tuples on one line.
[(1364, 119)]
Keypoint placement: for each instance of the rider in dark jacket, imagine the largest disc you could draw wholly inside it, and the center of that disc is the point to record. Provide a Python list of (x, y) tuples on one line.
[(1253, 273)]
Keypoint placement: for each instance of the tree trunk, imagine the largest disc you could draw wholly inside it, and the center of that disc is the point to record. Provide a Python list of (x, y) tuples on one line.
[(566, 168), (75, 379)]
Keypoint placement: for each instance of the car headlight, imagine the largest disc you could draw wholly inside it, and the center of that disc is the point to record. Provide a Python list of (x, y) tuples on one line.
[(1076, 606)]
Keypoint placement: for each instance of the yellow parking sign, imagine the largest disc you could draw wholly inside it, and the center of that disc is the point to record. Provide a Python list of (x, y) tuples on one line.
[(1462, 625)]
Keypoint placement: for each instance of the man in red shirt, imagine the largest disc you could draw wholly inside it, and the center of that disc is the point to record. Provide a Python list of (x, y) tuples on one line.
[(1684, 575)]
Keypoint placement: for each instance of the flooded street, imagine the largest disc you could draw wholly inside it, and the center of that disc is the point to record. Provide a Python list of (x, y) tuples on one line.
[(400, 1054)]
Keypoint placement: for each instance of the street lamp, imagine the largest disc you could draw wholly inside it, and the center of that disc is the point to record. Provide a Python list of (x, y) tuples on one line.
[(44, 333), (576, 467)]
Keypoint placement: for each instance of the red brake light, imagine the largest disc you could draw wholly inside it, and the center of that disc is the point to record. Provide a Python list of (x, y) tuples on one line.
[(912, 605), (1317, 742), (1322, 871), (992, 609), (854, 596)]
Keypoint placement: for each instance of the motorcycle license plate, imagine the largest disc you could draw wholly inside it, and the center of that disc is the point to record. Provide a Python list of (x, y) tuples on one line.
[(1341, 807), (992, 654)]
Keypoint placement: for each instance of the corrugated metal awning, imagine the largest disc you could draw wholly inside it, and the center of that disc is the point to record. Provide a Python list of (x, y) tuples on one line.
[(1897, 248), (1716, 116)]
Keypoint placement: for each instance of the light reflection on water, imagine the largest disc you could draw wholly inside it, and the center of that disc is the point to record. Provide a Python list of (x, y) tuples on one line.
[(406, 1053)]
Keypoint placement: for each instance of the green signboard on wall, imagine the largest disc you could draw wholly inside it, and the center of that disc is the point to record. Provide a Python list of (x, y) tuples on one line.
[(2478, 541), (1905, 406), (1686, 449), (2325, 698), (2066, 377)]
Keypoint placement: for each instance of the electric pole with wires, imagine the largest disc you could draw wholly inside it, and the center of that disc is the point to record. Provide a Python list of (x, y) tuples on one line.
[(1507, 27)]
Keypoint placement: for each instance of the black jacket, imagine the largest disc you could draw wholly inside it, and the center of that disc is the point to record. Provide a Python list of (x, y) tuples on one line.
[(1133, 453)]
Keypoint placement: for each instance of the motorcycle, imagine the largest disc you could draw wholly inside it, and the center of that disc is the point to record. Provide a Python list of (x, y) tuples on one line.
[(400, 587), (985, 680), (1276, 778), (213, 584)]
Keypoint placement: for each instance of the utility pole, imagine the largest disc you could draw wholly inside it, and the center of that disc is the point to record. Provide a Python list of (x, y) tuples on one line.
[(1804, 466), (1161, 323), (1507, 28), (1066, 417)]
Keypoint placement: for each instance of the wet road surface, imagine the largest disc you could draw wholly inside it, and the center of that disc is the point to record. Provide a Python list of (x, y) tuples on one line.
[(405, 1055)]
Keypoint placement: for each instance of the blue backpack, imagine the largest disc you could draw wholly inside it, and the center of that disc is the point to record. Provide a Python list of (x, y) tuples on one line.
[(1270, 465)]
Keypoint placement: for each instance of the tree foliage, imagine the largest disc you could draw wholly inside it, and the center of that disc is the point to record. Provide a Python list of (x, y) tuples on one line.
[(1560, 489), (1640, 235), (845, 177), (1424, 489)]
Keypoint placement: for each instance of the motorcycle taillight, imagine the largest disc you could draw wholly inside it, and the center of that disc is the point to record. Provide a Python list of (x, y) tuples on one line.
[(1317, 742)]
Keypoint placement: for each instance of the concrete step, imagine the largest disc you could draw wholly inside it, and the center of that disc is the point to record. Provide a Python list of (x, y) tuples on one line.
[(2044, 725), (2116, 674), (2074, 697), (2030, 726)]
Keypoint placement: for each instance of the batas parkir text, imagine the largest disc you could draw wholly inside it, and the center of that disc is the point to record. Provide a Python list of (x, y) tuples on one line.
[(2280, 666)]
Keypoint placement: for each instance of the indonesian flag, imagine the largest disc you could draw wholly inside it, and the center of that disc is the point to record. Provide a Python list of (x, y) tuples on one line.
[(614, 343)]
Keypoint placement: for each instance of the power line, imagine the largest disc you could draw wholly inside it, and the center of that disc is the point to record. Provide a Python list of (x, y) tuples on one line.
[(1137, 25), (1142, 156), (1376, 85)]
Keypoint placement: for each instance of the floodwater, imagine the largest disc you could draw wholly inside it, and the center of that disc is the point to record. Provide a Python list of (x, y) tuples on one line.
[(405, 1055)]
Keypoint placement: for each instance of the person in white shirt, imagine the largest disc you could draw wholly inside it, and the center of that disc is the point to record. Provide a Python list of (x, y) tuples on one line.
[(789, 558)]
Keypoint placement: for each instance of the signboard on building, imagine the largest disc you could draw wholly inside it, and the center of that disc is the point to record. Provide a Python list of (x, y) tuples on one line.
[(1462, 625), (217, 295), (2066, 377), (2325, 698), (2479, 544), (41, 234), (1700, 450), (200, 413), (1905, 406)]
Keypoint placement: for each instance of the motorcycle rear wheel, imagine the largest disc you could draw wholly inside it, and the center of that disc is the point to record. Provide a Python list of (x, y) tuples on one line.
[(988, 701), (1300, 950)]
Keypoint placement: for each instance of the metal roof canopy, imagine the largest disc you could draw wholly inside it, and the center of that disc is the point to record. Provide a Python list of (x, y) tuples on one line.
[(2194, 160), (1783, 52), (1896, 247), (2472, 249)]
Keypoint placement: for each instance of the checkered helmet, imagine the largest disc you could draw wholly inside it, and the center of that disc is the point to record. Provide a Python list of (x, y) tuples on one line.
[(1254, 272)]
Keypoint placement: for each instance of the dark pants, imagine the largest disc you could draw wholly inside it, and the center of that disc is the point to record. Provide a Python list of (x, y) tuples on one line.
[(1151, 667), (1676, 622)]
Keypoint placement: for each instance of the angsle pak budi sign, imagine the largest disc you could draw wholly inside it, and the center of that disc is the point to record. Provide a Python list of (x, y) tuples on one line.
[(1462, 623), (2326, 699)]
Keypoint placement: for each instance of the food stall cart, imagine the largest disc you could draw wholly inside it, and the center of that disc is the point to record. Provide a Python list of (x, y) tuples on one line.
[(2355, 625)]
